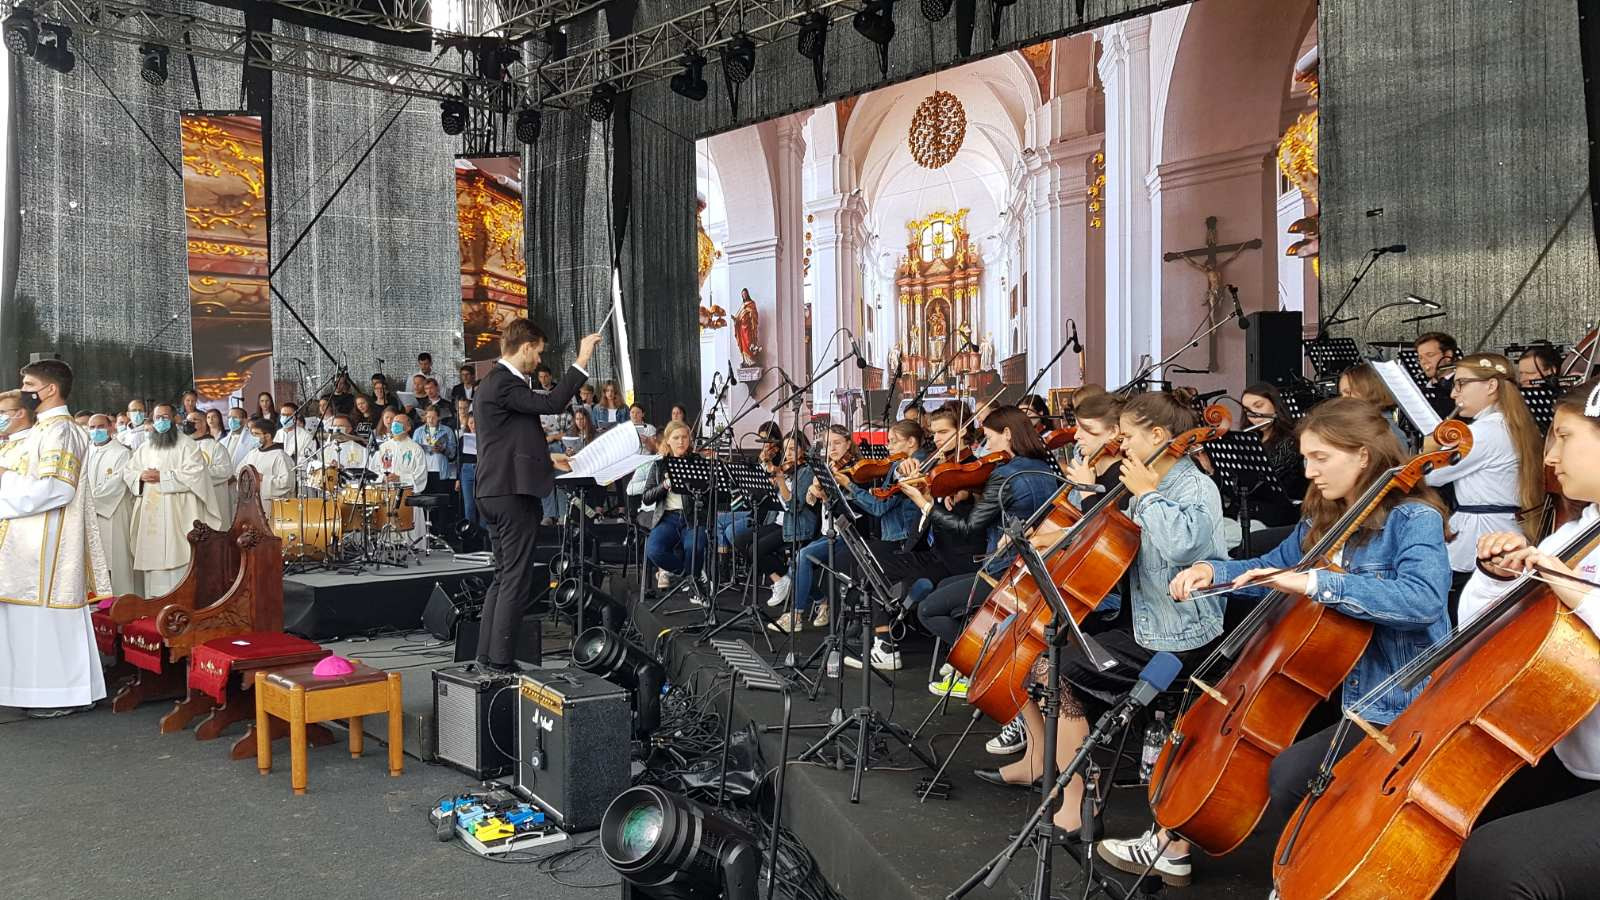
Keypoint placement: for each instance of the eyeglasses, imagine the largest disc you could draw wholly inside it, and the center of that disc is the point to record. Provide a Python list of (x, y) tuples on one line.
[(1463, 381)]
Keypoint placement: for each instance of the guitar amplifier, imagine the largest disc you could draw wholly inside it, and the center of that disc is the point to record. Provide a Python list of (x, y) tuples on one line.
[(573, 742), (475, 712)]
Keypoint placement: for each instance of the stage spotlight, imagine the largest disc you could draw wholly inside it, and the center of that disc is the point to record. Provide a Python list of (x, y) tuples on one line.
[(21, 31), (813, 43), (153, 68), (602, 100), (936, 10), (602, 651), (452, 116), (52, 49), (529, 120), (655, 839), (875, 22), (691, 82), (739, 58), (555, 38)]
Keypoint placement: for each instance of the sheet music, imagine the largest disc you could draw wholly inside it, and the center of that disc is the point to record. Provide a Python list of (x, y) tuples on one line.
[(613, 455), (1406, 393)]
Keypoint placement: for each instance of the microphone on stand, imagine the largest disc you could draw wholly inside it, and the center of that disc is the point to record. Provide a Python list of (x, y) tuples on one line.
[(1238, 311), (861, 361), (731, 377), (1072, 339)]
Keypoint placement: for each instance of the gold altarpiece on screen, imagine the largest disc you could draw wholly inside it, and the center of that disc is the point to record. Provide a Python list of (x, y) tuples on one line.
[(937, 289)]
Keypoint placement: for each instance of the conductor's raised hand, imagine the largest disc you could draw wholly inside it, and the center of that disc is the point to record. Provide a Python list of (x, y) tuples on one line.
[(586, 349)]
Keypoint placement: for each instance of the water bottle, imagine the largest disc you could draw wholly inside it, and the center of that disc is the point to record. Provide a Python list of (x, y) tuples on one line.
[(833, 664), (1155, 737)]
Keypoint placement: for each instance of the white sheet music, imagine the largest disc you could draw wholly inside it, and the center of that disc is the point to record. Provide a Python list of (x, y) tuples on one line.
[(613, 455), (1406, 393)]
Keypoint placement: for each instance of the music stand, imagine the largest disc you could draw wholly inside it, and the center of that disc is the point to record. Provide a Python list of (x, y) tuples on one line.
[(745, 480), (869, 450), (1541, 401), (694, 477), (1332, 356), (1244, 470), (1299, 396)]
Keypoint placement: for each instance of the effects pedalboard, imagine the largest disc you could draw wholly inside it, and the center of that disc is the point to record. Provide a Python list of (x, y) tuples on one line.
[(493, 823)]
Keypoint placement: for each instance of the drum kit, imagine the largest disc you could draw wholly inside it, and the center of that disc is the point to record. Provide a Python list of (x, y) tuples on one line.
[(342, 516)]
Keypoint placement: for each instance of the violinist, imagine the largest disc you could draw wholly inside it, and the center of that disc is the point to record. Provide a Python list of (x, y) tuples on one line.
[(1539, 366), (797, 522), (1500, 485), (737, 521), (1037, 411), (1015, 488), (1536, 838), (802, 575), (674, 545), (1362, 382), (1393, 572), (1264, 406), (1179, 513), (1092, 461)]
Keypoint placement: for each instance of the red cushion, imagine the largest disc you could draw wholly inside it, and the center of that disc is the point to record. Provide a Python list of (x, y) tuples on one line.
[(105, 632), (212, 662), (142, 644)]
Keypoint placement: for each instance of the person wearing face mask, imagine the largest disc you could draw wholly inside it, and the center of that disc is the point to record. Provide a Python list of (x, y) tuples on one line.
[(296, 438), (401, 462), (218, 462), (269, 461), (342, 451), (51, 561), (138, 430), (237, 436), (113, 505), (15, 420), (172, 489)]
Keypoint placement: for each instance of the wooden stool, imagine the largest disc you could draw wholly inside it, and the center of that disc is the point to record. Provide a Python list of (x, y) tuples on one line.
[(298, 697)]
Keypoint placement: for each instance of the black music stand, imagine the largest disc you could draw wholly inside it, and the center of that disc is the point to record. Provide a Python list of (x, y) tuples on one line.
[(744, 480), (1299, 396), (1331, 356), (1541, 401), (694, 477), (1245, 472), (869, 450), (749, 484)]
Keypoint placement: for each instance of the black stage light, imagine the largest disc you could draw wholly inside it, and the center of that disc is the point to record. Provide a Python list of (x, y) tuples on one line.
[(602, 100), (529, 120), (452, 116), (602, 651), (875, 22), (691, 82), (555, 38), (153, 68), (655, 839), (936, 10), (813, 43), (21, 31), (52, 50), (739, 58)]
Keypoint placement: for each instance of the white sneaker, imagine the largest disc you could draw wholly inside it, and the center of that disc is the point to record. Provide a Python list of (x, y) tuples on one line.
[(1143, 854), (788, 623), (885, 656), (946, 670), (1012, 739), (780, 592), (663, 579), (820, 620)]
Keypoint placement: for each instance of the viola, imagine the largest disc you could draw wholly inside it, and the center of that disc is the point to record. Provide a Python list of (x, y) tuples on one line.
[(1503, 690), (927, 465), (951, 478), (1085, 564), (1291, 653), (1060, 437), (867, 471)]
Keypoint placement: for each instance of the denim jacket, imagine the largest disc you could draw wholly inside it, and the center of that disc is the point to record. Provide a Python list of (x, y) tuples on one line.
[(897, 517), (1017, 489), (1398, 580), (1181, 522), (799, 518)]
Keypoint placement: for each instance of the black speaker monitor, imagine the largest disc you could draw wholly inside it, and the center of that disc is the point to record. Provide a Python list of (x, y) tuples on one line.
[(1272, 348)]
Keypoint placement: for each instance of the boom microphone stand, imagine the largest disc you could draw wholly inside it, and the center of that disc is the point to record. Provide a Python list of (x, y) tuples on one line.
[(1142, 377)]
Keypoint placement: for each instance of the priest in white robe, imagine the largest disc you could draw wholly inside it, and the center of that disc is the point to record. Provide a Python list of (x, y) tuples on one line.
[(172, 490), (138, 430), (271, 463), (113, 505), (51, 563), (297, 440), (219, 462), (401, 461), (239, 440), (342, 450)]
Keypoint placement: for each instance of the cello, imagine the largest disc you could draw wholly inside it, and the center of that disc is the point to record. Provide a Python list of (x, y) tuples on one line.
[(1290, 653), (1390, 818), (1085, 563)]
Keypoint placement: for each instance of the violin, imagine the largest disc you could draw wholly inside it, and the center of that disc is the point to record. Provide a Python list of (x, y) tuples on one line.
[(1502, 691), (951, 478), (867, 471), (1004, 637), (1291, 653), (1058, 438), (924, 469)]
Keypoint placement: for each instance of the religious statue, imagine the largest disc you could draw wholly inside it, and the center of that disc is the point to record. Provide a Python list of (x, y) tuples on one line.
[(1206, 260), (986, 354), (938, 330), (747, 330)]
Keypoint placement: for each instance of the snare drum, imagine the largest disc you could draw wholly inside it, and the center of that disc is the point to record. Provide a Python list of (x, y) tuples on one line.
[(308, 528)]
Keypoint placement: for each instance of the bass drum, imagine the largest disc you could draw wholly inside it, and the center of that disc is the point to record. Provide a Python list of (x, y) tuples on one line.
[(308, 528)]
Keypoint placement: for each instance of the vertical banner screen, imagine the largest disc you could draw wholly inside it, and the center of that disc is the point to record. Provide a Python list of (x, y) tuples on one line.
[(494, 289), (230, 306)]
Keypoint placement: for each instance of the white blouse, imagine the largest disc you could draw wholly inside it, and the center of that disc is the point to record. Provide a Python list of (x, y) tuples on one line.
[(1487, 476)]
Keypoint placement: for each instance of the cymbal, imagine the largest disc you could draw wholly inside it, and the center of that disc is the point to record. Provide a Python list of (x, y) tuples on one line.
[(344, 438)]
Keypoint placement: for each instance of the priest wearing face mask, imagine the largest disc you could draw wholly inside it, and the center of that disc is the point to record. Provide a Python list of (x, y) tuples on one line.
[(113, 505), (51, 562), (219, 462), (402, 462), (172, 487), (296, 438), (138, 430), (237, 437), (14, 418)]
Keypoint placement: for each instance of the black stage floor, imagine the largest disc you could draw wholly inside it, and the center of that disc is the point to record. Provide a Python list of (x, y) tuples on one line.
[(890, 847)]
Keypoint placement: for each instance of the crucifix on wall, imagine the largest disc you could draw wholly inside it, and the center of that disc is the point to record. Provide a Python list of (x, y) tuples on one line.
[(1206, 260)]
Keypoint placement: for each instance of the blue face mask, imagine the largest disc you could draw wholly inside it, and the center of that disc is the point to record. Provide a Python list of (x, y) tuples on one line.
[(286, 421), (136, 417), (99, 435), (395, 428), (234, 424), (5, 422), (163, 425)]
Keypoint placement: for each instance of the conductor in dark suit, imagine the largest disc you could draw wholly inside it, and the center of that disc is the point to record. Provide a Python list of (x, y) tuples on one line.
[(514, 471)]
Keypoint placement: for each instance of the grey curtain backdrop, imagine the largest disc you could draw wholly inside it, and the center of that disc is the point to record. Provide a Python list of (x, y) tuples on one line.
[(1464, 122)]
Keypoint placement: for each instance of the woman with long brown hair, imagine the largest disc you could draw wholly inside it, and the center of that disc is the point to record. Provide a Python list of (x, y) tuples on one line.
[(1393, 572), (1500, 485), (1263, 404), (610, 409), (1362, 382)]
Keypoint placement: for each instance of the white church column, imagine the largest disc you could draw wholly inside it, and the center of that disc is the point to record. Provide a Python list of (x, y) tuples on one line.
[(837, 236), (1058, 248), (1133, 321)]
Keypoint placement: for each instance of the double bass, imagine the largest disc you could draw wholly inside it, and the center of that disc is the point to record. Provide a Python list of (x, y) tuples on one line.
[(1390, 818), (1004, 637), (1291, 653)]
